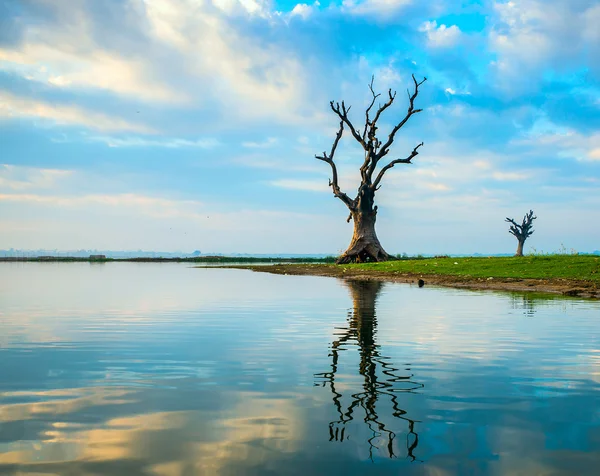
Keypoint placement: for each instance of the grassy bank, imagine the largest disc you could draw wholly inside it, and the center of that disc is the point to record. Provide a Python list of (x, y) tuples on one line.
[(560, 274), (573, 267)]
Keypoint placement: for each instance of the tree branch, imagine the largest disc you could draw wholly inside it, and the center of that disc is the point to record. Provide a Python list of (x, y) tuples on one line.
[(385, 106), (411, 110), (333, 183), (367, 121), (373, 143), (525, 229), (342, 112), (412, 155)]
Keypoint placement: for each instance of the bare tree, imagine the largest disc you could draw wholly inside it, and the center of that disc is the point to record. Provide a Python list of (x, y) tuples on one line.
[(365, 245), (522, 231)]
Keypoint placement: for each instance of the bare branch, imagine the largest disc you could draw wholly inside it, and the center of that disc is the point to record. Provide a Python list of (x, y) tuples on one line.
[(374, 143), (370, 141), (412, 155), (411, 110), (375, 96), (342, 112), (333, 183), (385, 106)]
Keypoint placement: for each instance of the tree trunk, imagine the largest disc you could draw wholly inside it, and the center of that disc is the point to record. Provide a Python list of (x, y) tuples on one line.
[(365, 246), (520, 248)]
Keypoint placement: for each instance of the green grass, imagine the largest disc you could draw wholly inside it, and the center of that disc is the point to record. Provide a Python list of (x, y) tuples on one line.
[(586, 267)]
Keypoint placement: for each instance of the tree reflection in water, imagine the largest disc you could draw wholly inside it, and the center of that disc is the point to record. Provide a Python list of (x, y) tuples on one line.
[(525, 303), (381, 379)]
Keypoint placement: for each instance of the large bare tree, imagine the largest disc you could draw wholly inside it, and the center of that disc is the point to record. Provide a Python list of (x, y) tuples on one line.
[(523, 231), (365, 245)]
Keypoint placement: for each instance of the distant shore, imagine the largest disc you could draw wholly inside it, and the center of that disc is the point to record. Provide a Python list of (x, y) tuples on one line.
[(566, 275), (199, 259)]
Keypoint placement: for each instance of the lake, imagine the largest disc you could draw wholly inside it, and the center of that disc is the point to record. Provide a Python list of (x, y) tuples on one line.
[(166, 369)]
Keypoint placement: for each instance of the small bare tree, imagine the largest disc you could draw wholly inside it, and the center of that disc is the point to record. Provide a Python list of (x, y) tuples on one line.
[(522, 231), (365, 245)]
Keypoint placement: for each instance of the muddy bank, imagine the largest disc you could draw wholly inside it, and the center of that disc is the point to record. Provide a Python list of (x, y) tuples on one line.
[(567, 287)]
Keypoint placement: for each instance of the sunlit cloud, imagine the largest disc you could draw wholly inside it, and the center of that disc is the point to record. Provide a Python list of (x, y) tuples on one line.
[(564, 141), (306, 185), (153, 206), (374, 7), (14, 177), (304, 10), (69, 64), (510, 176), (438, 186), (16, 107), (254, 79), (529, 36), (260, 145), (441, 36), (169, 143)]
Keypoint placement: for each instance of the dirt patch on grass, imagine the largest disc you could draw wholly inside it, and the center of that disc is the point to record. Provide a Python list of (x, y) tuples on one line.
[(567, 287)]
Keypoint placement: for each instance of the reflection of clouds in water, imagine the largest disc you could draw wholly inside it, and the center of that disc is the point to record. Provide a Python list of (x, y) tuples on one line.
[(441, 325), (520, 447), (59, 302), (251, 432), (139, 288), (258, 434), (59, 402)]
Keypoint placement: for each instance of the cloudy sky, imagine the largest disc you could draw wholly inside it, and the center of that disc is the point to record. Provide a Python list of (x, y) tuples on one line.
[(193, 124)]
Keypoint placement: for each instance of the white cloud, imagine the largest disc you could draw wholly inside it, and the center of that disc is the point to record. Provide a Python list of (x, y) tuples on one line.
[(261, 145), (441, 36), (546, 136), (12, 107), (594, 154), (440, 187), (134, 221), (531, 35), (454, 92), (16, 177), (317, 185), (304, 10), (246, 75), (253, 7), (70, 64), (169, 143), (152, 206), (287, 164), (509, 176), (374, 7), (179, 52), (441, 173)]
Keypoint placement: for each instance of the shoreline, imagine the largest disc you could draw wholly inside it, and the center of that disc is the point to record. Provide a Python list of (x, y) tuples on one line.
[(201, 259), (561, 286)]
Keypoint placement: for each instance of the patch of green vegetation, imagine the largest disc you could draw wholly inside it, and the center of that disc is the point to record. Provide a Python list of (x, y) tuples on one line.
[(585, 267)]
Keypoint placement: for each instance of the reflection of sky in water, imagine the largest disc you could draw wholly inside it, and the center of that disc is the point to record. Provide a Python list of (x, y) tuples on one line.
[(168, 370)]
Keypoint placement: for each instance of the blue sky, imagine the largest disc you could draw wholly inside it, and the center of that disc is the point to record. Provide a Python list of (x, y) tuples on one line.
[(186, 124)]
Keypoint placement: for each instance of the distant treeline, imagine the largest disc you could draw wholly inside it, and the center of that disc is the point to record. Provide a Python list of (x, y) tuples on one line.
[(198, 259)]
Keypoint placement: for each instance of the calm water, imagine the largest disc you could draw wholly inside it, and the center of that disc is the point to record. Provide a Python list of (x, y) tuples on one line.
[(163, 369)]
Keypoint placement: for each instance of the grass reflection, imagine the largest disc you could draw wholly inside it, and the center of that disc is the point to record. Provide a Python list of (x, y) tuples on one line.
[(380, 379)]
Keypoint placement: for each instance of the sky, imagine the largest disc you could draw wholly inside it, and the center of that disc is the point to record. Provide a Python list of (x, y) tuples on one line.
[(186, 125)]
